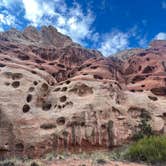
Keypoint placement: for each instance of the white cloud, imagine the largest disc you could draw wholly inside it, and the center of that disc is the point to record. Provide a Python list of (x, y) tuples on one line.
[(77, 25), (35, 10), (7, 19), (9, 4), (5, 3), (160, 36), (114, 42), (163, 4), (71, 21), (143, 42)]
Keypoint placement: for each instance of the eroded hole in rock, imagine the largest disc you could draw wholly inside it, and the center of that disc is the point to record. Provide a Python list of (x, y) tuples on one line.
[(142, 54), (7, 83), (31, 89), (60, 65), (104, 126), (52, 63), (41, 68), (29, 98), (19, 147), (68, 82), (154, 98), (94, 67), (44, 87), (39, 61), (23, 57), (140, 90), (34, 163), (33, 72), (82, 90), (57, 89), (16, 84), (140, 67), (164, 114), (68, 75), (88, 65), (48, 126), (7, 59), (138, 78), (80, 68), (59, 106), (8, 74), (2, 65), (161, 91), (46, 106), (148, 69), (61, 83), (61, 121), (64, 89), (17, 76), (63, 99), (98, 77), (132, 90), (35, 83), (148, 59), (142, 86), (26, 108)]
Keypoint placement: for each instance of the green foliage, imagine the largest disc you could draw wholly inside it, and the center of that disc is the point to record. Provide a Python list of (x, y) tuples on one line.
[(149, 149), (144, 128)]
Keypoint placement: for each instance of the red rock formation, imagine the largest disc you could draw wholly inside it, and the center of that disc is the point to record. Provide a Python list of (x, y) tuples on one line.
[(58, 95)]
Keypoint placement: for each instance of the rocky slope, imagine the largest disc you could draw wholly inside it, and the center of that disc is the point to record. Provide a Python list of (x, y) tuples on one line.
[(57, 95)]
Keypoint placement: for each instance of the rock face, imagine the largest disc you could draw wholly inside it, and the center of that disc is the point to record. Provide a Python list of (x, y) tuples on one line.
[(146, 69), (56, 95)]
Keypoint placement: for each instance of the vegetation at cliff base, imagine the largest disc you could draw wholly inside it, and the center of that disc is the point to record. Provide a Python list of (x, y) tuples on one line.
[(149, 149)]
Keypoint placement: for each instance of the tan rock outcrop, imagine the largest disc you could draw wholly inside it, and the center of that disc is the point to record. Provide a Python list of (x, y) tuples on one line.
[(65, 97)]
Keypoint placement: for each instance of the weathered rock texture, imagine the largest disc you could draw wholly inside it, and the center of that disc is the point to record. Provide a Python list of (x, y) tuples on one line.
[(56, 95)]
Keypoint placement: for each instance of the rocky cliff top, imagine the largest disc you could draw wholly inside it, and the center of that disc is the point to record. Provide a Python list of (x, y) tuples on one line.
[(46, 36)]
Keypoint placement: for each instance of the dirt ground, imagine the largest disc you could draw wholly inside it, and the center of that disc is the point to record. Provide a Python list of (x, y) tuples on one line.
[(79, 162)]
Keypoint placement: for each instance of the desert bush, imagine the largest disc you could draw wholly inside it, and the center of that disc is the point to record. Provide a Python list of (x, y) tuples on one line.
[(144, 128), (150, 149)]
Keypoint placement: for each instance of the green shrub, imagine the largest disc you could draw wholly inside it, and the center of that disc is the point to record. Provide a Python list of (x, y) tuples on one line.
[(149, 149), (144, 128)]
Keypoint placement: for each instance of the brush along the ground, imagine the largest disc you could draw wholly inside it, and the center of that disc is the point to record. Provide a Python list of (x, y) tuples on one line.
[(149, 149)]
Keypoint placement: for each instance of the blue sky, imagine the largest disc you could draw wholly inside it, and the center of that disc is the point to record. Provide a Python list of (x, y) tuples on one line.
[(107, 25)]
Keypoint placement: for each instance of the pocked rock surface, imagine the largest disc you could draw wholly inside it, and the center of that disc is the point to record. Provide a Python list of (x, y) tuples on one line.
[(56, 95)]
